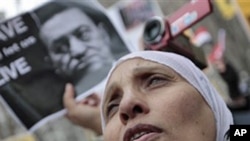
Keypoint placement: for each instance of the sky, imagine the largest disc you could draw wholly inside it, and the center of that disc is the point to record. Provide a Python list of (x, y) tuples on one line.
[(11, 9)]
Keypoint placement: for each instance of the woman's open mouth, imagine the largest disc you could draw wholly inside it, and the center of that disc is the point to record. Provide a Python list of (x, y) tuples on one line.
[(141, 132)]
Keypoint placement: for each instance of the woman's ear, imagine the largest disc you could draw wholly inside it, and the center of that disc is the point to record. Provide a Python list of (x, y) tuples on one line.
[(103, 33)]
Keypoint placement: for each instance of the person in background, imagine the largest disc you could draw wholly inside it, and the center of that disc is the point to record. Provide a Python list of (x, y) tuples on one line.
[(232, 79)]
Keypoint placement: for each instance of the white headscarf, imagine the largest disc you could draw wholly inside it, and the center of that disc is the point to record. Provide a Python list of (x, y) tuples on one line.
[(195, 77)]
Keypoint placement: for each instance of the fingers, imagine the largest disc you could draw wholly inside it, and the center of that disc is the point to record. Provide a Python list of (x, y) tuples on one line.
[(68, 97), (92, 100), (85, 113)]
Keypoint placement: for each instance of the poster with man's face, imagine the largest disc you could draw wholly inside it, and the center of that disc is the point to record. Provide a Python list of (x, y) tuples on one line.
[(56, 43)]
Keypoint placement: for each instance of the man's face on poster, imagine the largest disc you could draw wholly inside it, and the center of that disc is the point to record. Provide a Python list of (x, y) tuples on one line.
[(75, 42)]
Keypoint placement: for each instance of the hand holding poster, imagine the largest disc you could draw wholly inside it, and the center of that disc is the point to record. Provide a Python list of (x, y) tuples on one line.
[(44, 49)]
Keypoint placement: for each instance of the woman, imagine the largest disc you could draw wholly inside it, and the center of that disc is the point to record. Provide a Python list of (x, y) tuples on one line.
[(152, 95)]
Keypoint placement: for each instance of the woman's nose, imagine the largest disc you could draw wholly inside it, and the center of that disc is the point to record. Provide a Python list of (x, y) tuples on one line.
[(131, 107)]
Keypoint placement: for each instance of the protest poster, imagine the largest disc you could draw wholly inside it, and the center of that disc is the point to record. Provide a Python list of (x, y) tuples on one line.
[(130, 17), (43, 49)]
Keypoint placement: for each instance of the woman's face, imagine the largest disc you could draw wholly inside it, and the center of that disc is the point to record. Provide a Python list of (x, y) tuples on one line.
[(147, 101)]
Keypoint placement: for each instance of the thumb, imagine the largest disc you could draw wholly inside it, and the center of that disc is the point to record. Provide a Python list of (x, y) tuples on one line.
[(68, 97)]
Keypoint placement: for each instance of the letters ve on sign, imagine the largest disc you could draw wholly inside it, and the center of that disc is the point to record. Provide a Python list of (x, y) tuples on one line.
[(15, 68), (11, 28)]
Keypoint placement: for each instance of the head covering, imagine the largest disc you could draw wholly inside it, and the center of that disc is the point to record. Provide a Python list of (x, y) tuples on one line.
[(195, 77)]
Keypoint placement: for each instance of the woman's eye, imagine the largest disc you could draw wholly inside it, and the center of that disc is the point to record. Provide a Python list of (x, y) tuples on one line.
[(112, 109), (156, 81)]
